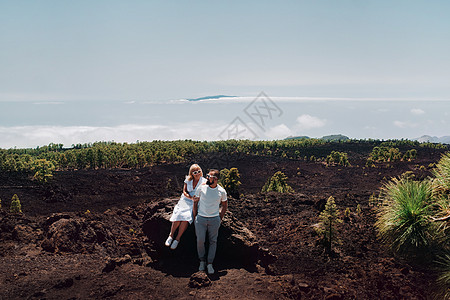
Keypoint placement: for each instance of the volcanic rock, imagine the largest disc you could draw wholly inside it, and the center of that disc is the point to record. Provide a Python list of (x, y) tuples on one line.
[(236, 244), (74, 234), (199, 280)]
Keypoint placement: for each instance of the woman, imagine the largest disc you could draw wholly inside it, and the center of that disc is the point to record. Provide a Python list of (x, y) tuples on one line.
[(182, 212)]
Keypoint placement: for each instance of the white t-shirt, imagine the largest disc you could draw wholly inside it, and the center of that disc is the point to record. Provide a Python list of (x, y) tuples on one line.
[(190, 185), (210, 199)]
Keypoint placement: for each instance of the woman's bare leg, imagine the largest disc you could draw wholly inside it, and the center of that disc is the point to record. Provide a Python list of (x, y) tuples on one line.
[(183, 226), (174, 227)]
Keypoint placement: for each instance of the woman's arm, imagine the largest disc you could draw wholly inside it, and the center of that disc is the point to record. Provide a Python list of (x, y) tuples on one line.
[(185, 192)]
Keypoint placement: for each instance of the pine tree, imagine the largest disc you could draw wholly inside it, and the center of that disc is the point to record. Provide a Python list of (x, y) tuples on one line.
[(43, 170), (329, 218), (15, 205), (230, 181), (358, 209), (277, 183), (347, 214)]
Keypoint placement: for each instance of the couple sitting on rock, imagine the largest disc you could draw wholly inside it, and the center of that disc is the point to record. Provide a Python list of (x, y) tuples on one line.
[(200, 202)]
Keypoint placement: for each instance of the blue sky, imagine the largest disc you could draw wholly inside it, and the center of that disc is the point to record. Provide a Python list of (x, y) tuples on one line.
[(86, 53)]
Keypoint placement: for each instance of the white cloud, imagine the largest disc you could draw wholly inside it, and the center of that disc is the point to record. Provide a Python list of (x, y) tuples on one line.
[(280, 131), (33, 136), (402, 124), (305, 122), (417, 111)]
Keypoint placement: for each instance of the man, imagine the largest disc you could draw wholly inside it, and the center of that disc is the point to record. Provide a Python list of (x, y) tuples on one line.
[(208, 213)]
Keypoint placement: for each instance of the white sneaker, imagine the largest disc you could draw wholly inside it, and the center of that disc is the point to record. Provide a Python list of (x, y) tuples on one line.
[(168, 241), (210, 269), (202, 266), (174, 245)]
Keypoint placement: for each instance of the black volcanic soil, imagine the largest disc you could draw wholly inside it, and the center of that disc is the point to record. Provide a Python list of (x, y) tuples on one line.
[(105, 210)]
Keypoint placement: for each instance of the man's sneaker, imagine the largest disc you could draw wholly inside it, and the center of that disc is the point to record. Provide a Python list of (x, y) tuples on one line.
[(168, 241), (174, 245), (202, 266), (210, 269)]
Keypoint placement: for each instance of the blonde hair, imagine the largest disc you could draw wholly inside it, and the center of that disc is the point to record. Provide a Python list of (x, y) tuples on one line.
[(192, 169)]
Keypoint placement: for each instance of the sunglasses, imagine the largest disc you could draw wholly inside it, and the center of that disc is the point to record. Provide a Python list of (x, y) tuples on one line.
[(210, 176), (196, 172)]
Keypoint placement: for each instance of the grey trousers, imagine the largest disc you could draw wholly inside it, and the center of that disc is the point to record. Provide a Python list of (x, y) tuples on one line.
[(211, 226)]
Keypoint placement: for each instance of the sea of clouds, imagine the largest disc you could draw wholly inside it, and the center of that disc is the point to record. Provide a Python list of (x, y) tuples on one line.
[(71, 123)]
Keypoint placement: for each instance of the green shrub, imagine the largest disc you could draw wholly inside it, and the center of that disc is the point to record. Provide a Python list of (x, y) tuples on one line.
[(408, 175), (403, 220), (347, 212), (338, 158), (15, 207), (370, 163), (277, 183), (230, 181), (329, 218), (373, 200), (410, 155), (358, 209), (169, 184), (384, 154)]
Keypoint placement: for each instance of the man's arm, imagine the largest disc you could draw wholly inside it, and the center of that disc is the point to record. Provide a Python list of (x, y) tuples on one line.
[(196, 199), (223, 209), (195, 207)]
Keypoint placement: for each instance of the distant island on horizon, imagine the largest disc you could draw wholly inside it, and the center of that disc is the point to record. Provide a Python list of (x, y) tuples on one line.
[(210, 97)]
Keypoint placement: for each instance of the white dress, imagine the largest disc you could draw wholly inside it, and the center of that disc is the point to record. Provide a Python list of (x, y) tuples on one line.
[(183, 210)]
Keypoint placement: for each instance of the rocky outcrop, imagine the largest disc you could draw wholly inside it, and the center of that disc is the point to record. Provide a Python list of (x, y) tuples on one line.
[(67, 233), (199, 280), (237, 246), (18, 228)]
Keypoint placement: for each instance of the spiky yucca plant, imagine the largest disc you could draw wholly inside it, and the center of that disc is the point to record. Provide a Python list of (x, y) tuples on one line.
[(443, 281), (441, 194), (441, 182), (442, 220), (404, 221)]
